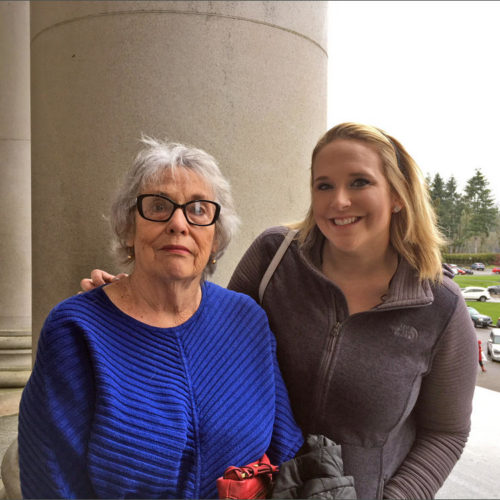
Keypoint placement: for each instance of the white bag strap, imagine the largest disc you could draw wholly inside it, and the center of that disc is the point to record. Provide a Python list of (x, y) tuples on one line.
[(275, 262)]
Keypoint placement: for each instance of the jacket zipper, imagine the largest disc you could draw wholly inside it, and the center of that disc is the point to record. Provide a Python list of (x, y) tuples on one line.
[(324, 370)]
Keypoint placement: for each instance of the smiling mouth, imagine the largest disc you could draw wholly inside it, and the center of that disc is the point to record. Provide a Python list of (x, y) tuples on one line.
[(345, 221)]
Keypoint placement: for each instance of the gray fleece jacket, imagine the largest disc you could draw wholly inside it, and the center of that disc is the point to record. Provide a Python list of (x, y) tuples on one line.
[(393, 385)]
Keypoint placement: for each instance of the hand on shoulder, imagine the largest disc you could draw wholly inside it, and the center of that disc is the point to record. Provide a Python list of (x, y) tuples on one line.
[(99, 277)]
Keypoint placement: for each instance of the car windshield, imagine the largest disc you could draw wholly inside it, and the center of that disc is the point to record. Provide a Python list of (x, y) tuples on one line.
[(472, 310)]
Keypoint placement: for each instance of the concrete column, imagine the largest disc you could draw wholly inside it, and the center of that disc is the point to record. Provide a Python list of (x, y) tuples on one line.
[(244, 80), (15, 198)]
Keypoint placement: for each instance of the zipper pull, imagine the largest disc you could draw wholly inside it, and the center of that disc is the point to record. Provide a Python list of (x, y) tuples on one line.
[(333, 335), (336, 329)]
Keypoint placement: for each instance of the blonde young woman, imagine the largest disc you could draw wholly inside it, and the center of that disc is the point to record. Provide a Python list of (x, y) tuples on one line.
[(375, 344)]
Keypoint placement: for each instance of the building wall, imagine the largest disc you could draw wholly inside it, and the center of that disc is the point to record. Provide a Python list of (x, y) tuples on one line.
[(15, 198), (244, 80)]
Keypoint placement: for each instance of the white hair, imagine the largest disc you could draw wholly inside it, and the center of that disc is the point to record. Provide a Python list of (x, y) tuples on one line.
[(150, 165)]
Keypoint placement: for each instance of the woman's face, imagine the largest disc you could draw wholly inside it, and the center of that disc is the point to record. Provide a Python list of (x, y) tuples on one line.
[(174, 250), (351, 198)]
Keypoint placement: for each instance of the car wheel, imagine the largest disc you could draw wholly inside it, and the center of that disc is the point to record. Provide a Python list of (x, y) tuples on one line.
[(482, 298)]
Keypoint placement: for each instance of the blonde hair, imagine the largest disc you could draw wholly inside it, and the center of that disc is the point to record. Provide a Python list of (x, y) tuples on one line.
[(413, 232)]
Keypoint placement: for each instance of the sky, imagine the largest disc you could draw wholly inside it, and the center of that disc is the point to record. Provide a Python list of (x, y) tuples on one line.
[(428, 73)]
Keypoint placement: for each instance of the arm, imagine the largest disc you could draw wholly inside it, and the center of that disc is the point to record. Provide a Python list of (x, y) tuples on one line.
[(287, 437), (55, 416), (443, 413)]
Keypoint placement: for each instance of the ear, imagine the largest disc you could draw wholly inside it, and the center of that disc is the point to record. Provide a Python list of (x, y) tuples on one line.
[(215, 247), (130, 238), (397, 204)]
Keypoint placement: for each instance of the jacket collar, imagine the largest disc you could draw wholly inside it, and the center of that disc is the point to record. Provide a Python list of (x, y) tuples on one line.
[(405, 288)]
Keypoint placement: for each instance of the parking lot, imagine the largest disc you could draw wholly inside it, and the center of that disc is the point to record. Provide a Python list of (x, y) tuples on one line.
[(491, 378)]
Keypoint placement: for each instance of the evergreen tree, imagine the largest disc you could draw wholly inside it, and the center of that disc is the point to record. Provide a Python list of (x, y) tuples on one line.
[(453, 209), (480, 207), (449, 206), (436, 192)]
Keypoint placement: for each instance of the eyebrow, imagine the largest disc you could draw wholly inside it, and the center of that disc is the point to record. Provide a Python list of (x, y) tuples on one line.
[(352, 174), (194, 197)]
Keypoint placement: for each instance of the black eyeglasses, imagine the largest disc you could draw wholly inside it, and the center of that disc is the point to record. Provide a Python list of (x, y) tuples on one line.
[(159, 208)]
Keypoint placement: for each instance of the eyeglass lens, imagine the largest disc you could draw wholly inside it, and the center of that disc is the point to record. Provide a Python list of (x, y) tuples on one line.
[(157, 208)]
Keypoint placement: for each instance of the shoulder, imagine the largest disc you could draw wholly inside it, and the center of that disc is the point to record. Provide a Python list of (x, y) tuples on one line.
[(236, 314), (272, 236), (231, 300), (267, 243), (451, 286), (447, 289), (451, 304), (74, 306), (70, 318), (252, 266)]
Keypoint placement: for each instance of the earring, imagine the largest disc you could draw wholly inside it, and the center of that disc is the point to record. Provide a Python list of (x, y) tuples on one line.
[(396, 209), (213, 261), (131, 254)]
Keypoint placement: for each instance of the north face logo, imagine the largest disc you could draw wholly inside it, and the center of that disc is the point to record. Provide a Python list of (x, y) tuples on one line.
[(407, 332)]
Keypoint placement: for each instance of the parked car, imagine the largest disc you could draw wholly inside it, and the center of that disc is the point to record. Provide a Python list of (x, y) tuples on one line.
[(494, 344), (476, 293), (453, 268), (496, 270), (479, 320), (494, 289), (462, 270), (478, 266), (498, 322)]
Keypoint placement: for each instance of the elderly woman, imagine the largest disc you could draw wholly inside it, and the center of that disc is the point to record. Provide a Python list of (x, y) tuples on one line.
[(151, 386)]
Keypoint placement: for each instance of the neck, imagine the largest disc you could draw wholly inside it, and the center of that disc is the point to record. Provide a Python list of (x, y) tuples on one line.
[(156, 302), (359, 265), (363, 279)]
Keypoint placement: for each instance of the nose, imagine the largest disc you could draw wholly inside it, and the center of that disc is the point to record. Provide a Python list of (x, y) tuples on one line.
[(177, 223), (340, 199)]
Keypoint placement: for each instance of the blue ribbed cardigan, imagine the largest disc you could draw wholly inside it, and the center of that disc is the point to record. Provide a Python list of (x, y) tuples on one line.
[(116, 408)]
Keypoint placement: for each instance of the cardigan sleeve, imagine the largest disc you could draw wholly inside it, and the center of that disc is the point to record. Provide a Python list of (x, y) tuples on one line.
[(55, 415), (443, 409), (287, 436)]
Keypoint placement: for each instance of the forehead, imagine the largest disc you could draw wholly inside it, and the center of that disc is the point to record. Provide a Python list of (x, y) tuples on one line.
[(179, 181), (348, 154)]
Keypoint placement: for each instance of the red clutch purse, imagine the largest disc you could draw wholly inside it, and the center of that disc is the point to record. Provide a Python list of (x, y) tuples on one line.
[(251, 481)]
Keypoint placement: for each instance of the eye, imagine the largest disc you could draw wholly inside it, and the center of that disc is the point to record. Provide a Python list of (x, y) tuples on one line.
[(323, 186), (360, 182), (197, 208), (159, 205)]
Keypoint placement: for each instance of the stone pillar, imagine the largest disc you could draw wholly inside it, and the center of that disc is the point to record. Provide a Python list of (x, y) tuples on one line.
[(244, 80), (15, 198)]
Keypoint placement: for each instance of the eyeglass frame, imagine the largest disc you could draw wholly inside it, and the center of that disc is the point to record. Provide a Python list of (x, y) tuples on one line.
[(138, 205)]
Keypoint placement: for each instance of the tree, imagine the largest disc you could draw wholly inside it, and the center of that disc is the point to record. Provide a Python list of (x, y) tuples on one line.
[(449, 208), (480, 207), (453, 210)]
